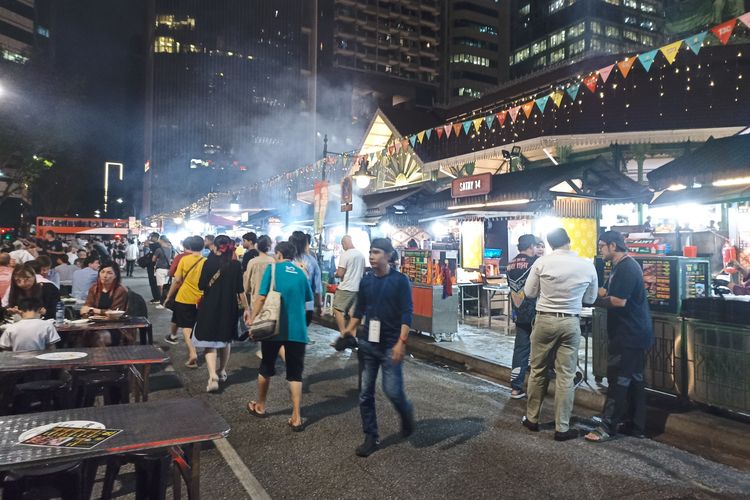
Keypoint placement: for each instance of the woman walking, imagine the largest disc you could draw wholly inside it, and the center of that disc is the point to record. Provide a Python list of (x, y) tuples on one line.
[(216, 325), (290, 281)]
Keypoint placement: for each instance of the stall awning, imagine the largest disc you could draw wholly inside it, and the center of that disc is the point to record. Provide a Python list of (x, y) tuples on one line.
[(377, 203), (718, 161), (705, 195)]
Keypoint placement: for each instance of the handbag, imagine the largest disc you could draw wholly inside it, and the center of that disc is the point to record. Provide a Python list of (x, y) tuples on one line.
[(170, 304), (266, 323)]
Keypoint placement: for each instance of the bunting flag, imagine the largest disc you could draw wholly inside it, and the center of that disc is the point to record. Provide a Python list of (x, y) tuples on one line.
[(590, 82), (428, 133), (501, 117), (624, 66), (489, 119), (745, 18), (420, 137), (557, 97), (605, 71), (670, 51), (724, 30), (528, 108), (542, 103), (477, 124), (514, 112), (647, 59), (439, 131), (573, 90), (398, 146), (448, 129), (467, 127), (696, 42), (456, 129), (404, 143), (413, 140)]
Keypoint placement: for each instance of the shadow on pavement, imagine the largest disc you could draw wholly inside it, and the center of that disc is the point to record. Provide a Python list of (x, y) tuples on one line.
[(337, 374), (430, 432)]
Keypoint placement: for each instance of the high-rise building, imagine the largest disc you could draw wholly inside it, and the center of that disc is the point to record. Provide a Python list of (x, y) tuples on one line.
[(23, 26), (477, 43), (550, 32), (226, 96)]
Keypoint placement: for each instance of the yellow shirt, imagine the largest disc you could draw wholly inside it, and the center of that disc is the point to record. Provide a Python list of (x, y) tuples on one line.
[(189, 293)]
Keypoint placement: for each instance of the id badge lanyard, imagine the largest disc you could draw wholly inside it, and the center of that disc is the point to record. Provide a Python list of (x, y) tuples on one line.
[(373, 331)]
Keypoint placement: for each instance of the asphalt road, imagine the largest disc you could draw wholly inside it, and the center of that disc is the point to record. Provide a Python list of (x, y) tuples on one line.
[(468, 444)]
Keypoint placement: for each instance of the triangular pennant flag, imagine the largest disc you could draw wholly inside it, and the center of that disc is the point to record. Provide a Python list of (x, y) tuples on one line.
[(440, 132), (467, 126), (428, 133), (456, 129), (745, 18), (670, 51), (514, 112), (573, 90), (477, 124), (528, 108), (624, 66), (542, 103), (604, 72), (557, 97), (695, 42), (590, 82), (501, 117), (448, 129), (420, 136), (489, 120), (413, 140), (647, 59), (724, 30)]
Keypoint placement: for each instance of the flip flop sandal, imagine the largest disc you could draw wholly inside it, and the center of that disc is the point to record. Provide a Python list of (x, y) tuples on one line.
[(252, 411), (296, 428), (601, 434)]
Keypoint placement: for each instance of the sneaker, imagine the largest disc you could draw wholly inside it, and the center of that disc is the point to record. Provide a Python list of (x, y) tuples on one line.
[(533, 427), (407, 425), (160, 306), (567, 435), (517, 394), (577, 380), (169, 339), (369, 446), (155, 302)]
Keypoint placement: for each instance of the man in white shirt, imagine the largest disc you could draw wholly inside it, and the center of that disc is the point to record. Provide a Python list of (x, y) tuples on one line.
[(563, 282), (20, 254), (350, 270)]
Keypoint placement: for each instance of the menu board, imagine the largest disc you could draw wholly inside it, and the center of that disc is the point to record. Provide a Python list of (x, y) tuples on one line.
[(71, 437), (696, 280), (659, 280)]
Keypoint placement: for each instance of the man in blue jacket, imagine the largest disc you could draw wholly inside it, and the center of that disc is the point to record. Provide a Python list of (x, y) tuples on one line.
[(385, 301)]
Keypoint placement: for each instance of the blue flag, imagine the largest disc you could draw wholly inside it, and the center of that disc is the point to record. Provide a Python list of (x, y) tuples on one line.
[(467, 126), (428, 133), (695, 42), (573, 90), (647, 59), (413, 140), (488, 120), (542, 103)]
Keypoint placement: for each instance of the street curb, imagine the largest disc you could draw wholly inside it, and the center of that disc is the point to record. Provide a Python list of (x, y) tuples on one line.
[(696, 427)]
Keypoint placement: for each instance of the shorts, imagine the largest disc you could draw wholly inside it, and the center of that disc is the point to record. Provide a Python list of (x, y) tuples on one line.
[(162, 276), (295, 359), (345, 300), (185, 315)]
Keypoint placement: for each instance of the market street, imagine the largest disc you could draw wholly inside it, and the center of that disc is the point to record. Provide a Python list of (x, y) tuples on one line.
[(469, 442)]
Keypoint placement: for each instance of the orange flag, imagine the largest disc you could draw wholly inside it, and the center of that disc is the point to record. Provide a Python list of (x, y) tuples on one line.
[(624, 66), (528, 108)]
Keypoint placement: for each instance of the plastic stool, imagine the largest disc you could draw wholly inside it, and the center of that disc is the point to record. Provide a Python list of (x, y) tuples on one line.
[(51, 394), (151, 470), (112, 385), (71, 481)]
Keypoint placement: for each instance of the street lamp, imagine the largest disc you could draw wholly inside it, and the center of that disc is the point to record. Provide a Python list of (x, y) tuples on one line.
[(363, 176), (106, 179)]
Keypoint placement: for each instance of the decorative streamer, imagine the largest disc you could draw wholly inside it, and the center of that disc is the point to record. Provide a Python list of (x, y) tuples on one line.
[(573, 90), (670, 51), (695, 42), (647, 59), (624, 66), (605, 71), (724, 30)]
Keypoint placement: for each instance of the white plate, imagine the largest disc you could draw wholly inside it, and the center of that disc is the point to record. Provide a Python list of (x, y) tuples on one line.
[(78, 322), (81, 424), (61, 356)]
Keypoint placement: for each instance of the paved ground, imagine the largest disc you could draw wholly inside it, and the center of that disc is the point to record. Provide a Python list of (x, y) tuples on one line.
[(468, 444)]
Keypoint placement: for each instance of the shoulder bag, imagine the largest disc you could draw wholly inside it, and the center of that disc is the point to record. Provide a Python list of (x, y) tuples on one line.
[(171, 302), (266, 323)]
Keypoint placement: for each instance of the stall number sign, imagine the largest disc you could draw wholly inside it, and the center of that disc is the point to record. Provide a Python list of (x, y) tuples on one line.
[(475, 185)]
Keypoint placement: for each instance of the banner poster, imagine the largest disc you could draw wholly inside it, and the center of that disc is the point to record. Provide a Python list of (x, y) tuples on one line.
[(320, 204)]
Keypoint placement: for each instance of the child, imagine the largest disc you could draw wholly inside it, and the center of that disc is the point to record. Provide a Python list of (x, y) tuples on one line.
[(31, 333)]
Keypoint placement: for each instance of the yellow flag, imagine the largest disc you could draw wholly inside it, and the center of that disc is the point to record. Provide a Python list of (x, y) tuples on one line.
[(670, 51), (477, 124), (420, 136), (556, 97)]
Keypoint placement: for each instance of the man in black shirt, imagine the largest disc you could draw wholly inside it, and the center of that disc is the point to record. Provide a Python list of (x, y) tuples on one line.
[(153, 246), (630, 335), (524, 311), (52, 245), (249, 240), (385, 299)]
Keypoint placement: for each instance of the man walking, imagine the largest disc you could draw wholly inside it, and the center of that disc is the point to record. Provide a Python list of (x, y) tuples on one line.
[(350, 270), (563, 282), (385, 300), (630, 335), (524, 311), (249, 240), (153, 246)]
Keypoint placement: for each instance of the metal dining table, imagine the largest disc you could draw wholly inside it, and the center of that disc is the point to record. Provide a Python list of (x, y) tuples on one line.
[(143, 325), (191, 422), (132, 356)]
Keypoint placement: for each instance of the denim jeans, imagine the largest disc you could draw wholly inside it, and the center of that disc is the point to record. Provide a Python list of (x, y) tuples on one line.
[(521, 351), (375, 357)]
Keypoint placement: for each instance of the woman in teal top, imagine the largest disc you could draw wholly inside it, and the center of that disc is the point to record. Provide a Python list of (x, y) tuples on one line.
[(291, 282)]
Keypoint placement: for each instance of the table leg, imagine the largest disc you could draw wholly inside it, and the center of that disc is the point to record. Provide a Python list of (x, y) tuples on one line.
[(146, 373), (194, 487), (586, 361), (137, 382), (489, 308)]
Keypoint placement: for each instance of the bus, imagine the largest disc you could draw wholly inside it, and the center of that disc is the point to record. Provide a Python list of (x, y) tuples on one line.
[(76, 225)]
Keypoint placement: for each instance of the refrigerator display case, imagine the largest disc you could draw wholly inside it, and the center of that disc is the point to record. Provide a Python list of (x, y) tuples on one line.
[(669, 280)]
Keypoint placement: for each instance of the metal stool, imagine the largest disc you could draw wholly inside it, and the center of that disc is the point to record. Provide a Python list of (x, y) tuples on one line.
[(112, 385), (71, 481), (151, 470)]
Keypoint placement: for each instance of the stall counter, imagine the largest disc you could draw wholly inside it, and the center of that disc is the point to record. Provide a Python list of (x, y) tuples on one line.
[(434, 314)]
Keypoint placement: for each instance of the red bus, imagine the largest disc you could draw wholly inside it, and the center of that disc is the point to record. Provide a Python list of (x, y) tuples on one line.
[(75, 225)]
